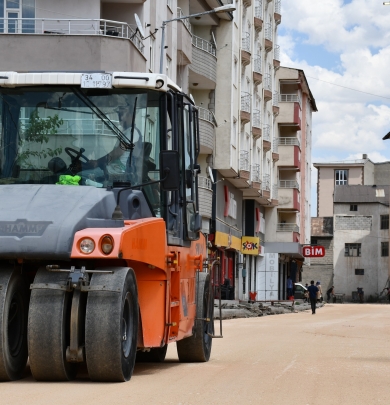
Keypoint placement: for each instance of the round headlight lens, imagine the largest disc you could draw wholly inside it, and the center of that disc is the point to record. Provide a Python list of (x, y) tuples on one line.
[(107, 244), (87, 245)]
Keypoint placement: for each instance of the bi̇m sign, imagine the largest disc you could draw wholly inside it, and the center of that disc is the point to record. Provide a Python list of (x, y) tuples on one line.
[(313, 251)]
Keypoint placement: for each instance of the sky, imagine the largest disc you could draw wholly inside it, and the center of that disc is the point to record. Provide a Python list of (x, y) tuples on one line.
[(343, 46)]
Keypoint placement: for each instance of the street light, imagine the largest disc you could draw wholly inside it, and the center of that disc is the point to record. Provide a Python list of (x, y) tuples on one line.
[(222, 9)]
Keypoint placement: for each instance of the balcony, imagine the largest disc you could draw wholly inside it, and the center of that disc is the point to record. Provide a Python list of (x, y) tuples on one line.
[(287, 232), (289, 198), (275, 154), (266, 186), (275, 196), (245, 112), (184, 40), (206, 131), (290, 110), (268, 35), (278, 11), (258, 17), (277, 56), (246, 48), (205, 196), (203, 69), (256, 177), (266, 138), (257, 76), (275, 103), (267, 86), (289, 141), (288, 184), (83, 42), (256, 124), (289, 155), (244, 165)]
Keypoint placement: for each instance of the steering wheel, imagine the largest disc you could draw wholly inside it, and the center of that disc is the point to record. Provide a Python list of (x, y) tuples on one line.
[(76, 156)]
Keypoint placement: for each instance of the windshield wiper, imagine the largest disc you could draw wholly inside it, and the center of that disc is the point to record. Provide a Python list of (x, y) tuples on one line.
[(127, 144)]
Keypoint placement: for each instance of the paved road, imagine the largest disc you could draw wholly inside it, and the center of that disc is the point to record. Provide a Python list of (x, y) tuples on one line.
[(338, 356)]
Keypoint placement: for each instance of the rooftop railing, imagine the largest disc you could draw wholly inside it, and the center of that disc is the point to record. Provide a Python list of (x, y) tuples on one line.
[(206, 46), (30, 26)]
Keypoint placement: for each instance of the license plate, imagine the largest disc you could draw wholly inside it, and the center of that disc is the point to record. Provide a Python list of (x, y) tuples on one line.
[(96, 81)]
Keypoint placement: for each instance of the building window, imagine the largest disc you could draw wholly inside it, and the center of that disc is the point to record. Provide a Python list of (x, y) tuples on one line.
[(384, 249), (384, 222), (353, 207), (352, 249), (341, 177), (359, 272), (314, 241)]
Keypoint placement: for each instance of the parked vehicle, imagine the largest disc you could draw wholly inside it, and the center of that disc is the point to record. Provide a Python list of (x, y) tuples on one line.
[(299, 291)]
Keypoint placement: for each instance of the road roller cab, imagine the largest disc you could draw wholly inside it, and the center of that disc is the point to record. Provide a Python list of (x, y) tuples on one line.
[(101, 257)]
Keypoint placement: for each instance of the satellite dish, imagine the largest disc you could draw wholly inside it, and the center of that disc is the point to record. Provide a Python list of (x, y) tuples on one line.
[(139, 25), (210, 174)]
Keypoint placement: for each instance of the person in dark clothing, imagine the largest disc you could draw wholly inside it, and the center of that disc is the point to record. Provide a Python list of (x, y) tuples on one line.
[(313, 290), (329, 293)]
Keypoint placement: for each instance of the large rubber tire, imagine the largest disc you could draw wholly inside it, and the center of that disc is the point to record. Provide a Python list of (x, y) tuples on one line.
[(155, 355), (111, 326), (14, 296), (49, 330), (197, 348)]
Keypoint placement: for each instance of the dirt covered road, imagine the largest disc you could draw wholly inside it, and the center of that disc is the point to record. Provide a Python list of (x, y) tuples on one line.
[(338, 356)]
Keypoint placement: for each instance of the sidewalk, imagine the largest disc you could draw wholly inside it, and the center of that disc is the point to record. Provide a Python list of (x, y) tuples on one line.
[(238, 309)]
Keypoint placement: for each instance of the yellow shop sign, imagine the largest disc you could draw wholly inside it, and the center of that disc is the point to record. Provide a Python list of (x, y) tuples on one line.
[(250, 245)]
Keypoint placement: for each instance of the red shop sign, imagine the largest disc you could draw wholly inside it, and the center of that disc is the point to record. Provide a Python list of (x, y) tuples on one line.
[(313, 251)]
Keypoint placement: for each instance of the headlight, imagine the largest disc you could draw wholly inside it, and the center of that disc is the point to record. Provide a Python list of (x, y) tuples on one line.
[(107, 244), (87, 246)]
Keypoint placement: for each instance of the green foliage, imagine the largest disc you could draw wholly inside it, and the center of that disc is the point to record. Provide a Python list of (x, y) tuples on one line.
[(38, 131)]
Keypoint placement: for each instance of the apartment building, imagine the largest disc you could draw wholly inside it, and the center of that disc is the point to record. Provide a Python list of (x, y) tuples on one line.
[(254, 116)]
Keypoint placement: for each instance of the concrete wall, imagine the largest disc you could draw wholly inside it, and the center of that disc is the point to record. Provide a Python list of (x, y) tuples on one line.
[(382, 173), (365, 229)]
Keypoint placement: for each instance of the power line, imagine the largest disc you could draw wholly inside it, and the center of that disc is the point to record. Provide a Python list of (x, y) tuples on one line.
[(348, 88)]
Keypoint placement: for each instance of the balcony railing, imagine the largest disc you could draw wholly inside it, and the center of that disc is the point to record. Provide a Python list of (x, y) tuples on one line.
[(289, 141), (290, 98), (204, 182), (275, 99), (267, 82), (287, 227), (259, 9), (278, 6), (266, 132), (256, 177), (266, 184), (277, 52), (244, 160), (207, 115), (245, 102), (256, 119), (185, 21), (257, 64), (288, 184), (268, 31), (275, 145), (246, 41), (206, 46), (80, 26)]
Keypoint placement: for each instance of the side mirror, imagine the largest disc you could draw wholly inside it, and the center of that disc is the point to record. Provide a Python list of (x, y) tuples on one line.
[(169, 170)]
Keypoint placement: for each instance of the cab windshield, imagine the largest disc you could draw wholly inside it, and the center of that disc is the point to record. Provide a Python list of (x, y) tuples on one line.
[(85, 137)]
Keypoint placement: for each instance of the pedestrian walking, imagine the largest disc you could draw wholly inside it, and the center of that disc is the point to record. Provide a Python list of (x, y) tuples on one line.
[(319, 293), (329, 293), (289, 287), (360, 294), (313, 290)]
